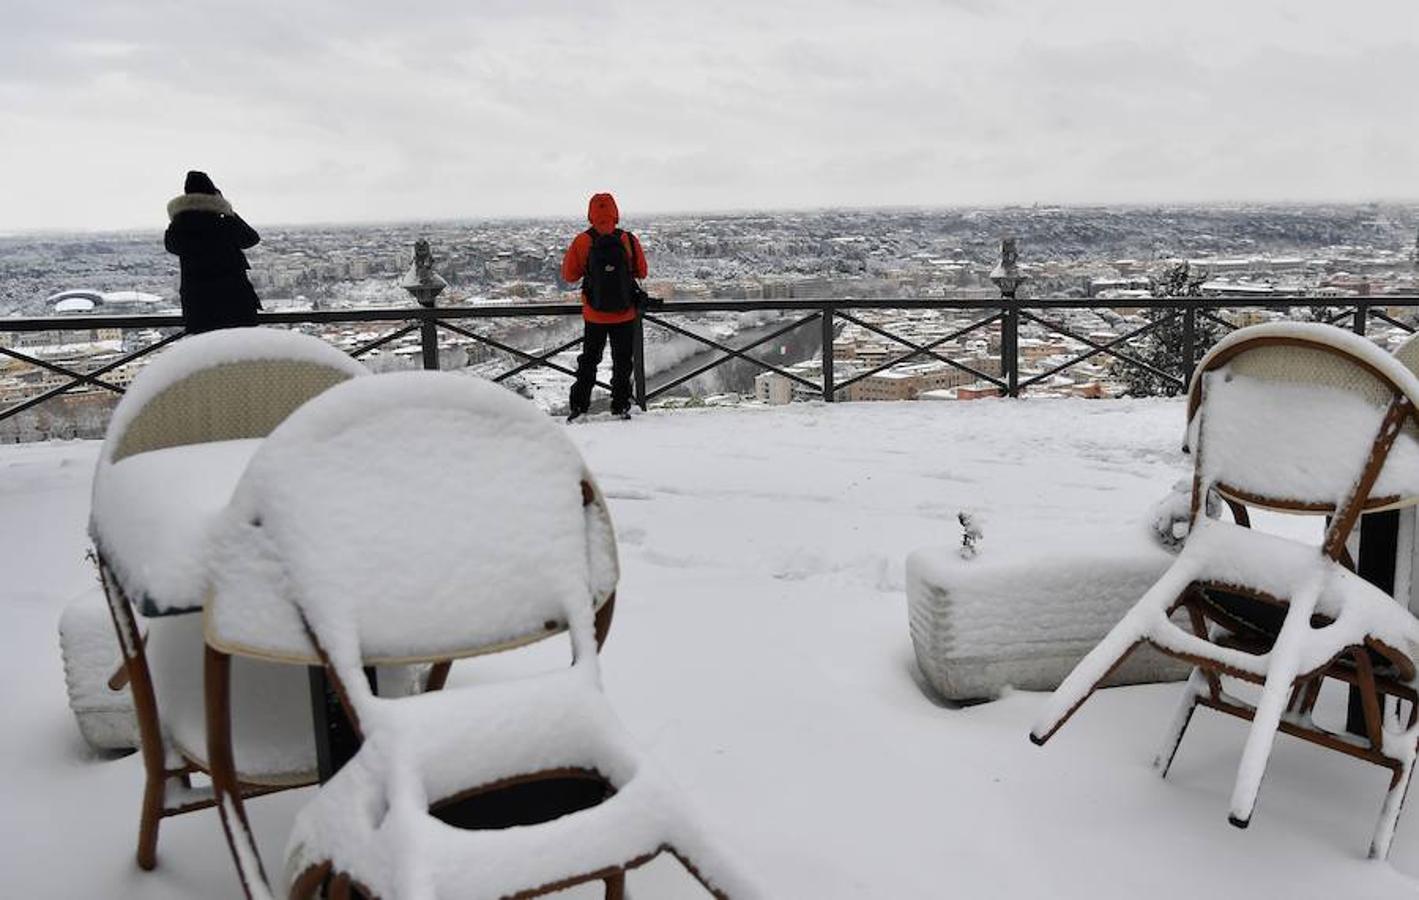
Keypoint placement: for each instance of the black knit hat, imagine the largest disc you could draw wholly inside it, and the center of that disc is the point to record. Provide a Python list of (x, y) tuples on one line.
[(198, 183)]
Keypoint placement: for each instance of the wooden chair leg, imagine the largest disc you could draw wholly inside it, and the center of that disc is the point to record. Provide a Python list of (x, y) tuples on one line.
[(1312, 694), (1389, 813), (616, 886), (340, 888), (438, 675), (1199, 627), (148, 822), (225, 785), (603, 621), (1046, 728), (308, 883), (1266, 721), (145, 708), (1369, 698), (1187, 705)]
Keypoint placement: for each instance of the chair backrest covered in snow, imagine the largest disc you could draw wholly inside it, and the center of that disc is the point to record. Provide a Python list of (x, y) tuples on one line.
[(410, 517), (223, 385), (1287, 416)]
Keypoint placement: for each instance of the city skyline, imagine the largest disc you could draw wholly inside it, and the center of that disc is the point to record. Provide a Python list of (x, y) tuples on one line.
[(336, 113)]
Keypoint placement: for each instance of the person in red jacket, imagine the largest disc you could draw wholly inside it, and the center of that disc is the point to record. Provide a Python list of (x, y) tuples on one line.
[(606, 260)]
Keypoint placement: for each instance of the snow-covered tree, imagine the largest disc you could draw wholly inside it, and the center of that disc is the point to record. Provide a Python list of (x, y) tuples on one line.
[(1162, 348)]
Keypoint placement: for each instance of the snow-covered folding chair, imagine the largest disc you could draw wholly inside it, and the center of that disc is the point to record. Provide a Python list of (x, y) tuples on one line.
[(423, 516), (1300, 418), (174, 450)]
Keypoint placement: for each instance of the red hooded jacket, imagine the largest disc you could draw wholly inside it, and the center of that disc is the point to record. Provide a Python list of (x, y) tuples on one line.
[(603, 215)]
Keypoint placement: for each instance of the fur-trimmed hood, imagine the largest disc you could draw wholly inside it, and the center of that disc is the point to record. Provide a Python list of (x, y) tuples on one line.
[(212, 203)]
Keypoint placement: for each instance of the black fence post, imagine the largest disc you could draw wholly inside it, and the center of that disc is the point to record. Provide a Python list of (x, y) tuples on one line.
[(1189, 344), (1010, 345), (1007, 277), (828, 353), (638, 359), (1362, 317), (429, 341)]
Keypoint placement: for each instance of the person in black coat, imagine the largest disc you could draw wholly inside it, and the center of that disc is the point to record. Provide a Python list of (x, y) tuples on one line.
[(208, 239)]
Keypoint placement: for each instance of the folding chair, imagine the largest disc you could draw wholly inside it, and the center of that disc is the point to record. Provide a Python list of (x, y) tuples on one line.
[(420, 517), (174, 449), (1300, 418)]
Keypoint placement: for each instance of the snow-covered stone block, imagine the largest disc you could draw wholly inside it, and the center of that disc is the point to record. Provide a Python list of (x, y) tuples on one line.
[(1023, 619), (91, 657)]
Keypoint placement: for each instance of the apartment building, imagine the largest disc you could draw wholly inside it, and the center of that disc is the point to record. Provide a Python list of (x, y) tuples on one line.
[(909, 382)]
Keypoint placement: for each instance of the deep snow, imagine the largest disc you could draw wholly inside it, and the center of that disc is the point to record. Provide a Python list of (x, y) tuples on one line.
[(760, 653)]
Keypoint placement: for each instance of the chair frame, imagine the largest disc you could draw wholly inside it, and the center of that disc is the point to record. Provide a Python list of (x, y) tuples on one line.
[(1353, 665), (167, 788), (168, 772), (324, 875)]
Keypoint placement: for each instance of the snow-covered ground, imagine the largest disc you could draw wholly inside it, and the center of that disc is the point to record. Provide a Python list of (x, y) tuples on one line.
[(760, 651)]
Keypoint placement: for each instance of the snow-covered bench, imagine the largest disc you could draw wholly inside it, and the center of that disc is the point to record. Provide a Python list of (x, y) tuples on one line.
[(100, 700), (1023, 619)]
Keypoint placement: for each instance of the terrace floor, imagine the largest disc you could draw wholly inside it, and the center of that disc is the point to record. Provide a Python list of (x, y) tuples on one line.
[(760, 651)]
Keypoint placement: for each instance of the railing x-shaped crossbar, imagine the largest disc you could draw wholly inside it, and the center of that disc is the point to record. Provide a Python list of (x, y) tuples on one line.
[(916, 350), (383, 339), (1106, 348), (730, 353), (530, 360), (77, 378)]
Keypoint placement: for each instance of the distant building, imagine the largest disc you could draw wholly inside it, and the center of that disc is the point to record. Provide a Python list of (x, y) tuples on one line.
[(1220, 288), (1099, 286), (108, 303), (1358, 287), (976, 392), (909, 382), (773, 389)]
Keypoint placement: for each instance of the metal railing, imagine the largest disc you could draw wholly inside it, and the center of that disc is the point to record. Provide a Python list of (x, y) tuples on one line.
[(1006, 313)]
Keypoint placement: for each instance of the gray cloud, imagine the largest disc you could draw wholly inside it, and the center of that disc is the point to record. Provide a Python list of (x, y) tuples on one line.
[(327, 110)]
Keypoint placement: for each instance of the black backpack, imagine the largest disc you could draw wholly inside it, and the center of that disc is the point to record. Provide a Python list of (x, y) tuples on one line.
[(609, 284)]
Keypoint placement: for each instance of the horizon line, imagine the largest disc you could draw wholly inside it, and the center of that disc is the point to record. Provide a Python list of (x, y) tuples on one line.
[(10, 233)]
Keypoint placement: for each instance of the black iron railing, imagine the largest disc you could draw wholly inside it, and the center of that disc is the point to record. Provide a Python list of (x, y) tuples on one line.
[(1007, 314)]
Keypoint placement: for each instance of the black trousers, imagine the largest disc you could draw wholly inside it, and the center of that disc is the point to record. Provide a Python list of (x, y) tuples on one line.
[(593, 345)]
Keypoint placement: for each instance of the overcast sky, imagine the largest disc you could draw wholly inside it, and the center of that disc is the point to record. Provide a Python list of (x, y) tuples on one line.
[(347, 110)]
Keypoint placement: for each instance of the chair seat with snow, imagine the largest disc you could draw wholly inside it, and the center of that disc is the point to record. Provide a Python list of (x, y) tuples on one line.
[(175, 447), (424, 516), (1301, 419)]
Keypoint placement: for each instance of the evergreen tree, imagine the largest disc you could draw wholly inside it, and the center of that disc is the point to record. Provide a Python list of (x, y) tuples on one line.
[(1162, 348), (1322, 314)]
